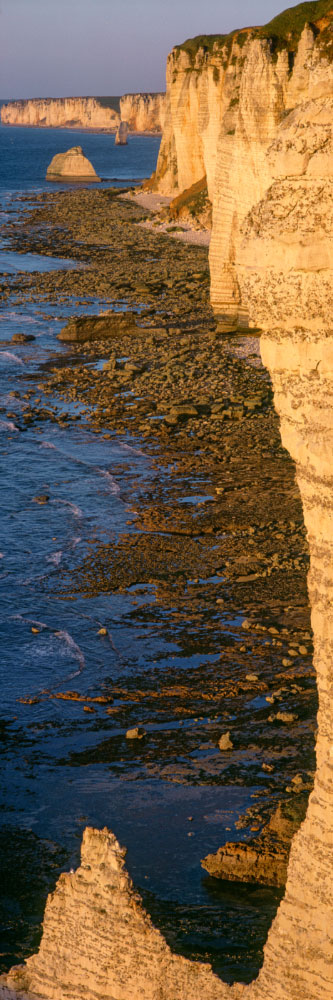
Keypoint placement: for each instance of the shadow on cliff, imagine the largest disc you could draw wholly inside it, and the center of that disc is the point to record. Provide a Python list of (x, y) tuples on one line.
[(235, 921)]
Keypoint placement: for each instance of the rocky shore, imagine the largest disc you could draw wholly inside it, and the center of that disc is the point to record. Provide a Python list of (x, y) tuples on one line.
[(232, 557), (219, 533)]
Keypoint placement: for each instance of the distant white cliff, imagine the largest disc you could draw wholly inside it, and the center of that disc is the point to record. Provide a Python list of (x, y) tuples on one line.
[(143, 112)]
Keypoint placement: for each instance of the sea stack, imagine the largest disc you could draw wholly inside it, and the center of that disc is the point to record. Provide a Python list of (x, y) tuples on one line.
[(71, 166), (121, 134)]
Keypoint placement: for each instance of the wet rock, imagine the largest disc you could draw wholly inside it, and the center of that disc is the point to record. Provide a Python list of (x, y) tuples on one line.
[(84, 328), (225, 743), (183, 412), (22, 338), (287, 717), (264, 859), (137, 733)]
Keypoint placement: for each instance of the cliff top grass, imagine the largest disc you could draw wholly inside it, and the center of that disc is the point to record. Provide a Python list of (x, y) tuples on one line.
[(105, 102), (145, 93), (284, 30), (109, 102)]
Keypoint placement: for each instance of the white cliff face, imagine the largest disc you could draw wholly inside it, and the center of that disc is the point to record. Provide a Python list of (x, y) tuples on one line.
[(224, 106), (98, 942), (67, 112), (143, 112), (196, 100), (285, 269), (245, 169)]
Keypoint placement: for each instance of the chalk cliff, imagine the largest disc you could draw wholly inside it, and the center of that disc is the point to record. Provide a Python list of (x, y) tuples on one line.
[(269, 91), (285, 269), (143, 112), (195, 103), (66, 112), (226, 98)]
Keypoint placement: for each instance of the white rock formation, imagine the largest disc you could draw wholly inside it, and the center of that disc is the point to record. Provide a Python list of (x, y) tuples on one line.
[(196, 100), (98, 941), (285, 268), (226, 99), (122, 134), (63, 112), (71, 166), (143, 112), (244, 171)]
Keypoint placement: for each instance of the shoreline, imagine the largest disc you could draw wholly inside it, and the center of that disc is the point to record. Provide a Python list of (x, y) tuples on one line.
[(77, 128), (214, 529), (155, 204)]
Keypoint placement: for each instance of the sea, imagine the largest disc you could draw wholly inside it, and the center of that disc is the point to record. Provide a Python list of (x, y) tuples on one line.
[(62, 768)]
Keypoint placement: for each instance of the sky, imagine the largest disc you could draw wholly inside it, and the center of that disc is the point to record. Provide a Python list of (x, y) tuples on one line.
[(59, 48)]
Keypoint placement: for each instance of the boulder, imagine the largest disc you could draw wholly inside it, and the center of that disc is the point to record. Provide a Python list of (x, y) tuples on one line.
[(83, 328), (264, 859), (71, 166)]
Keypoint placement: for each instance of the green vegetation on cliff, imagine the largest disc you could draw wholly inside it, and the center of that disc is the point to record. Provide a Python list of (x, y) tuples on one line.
[(289, 25), (109, 102), (193, 201), (284, 30), (205, 42)]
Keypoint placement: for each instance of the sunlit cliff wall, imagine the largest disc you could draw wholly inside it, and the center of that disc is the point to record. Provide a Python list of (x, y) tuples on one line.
[(67, 112), (196, 100), (226, 98), (143, 112), (269, 91), (285, 270)]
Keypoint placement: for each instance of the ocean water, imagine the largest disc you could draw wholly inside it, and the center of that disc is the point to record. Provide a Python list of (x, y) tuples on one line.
[(25, 154), (60, 767)]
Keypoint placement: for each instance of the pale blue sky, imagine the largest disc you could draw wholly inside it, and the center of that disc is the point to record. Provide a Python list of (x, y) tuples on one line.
[(102, 47)]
